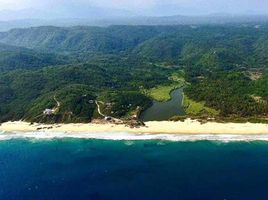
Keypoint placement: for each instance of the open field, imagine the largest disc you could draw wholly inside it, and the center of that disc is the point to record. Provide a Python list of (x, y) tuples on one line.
[(193, 108)]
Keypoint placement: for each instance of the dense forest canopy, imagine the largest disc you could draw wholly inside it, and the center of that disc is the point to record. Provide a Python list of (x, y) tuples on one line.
[(226, 67), (13, 58)]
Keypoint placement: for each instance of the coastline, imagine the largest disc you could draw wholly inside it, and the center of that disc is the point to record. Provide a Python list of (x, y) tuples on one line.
[(188, 127)]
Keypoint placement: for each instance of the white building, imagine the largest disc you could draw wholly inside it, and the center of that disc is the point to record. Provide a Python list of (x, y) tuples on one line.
[(48, 112)]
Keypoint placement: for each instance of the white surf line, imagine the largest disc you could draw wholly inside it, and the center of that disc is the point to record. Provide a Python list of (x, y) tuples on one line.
[(125, 136)]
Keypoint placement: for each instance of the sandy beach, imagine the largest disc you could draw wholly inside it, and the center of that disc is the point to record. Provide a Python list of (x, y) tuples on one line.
[(188, 127)]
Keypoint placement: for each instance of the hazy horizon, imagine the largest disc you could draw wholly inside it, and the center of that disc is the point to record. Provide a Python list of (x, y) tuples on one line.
[(99, 8)]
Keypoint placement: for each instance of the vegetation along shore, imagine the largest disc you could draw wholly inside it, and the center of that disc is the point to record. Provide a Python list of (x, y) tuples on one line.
[(80, 74)]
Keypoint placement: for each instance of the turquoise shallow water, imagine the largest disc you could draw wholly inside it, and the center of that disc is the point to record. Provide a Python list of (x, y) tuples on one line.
[(102, 169)]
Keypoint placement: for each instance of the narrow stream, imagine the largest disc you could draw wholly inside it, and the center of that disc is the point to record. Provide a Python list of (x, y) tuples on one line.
[(160, 111)]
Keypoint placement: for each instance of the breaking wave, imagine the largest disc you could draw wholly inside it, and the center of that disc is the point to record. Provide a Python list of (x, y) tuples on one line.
[(45, 135)]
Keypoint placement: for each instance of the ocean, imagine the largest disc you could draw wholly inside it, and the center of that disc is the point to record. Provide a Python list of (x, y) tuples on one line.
[(94, 169)]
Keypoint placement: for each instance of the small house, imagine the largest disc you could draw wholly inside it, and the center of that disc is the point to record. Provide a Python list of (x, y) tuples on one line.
[(107, 118), (109, 104), (48, 112)]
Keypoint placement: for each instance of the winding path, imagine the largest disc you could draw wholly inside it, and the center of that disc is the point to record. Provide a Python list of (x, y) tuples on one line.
[(105, 116), (99, 111), (58, 103), (56, 109)]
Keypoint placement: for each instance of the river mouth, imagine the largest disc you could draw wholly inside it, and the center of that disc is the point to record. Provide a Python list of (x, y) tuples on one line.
[(161, 111)]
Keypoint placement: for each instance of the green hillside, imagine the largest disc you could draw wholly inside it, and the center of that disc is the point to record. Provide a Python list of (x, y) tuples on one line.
[(225, 67), (82, 39), (12, 58)]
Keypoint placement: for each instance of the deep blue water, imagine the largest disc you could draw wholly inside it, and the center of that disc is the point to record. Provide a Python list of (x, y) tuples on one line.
[(96, 169)]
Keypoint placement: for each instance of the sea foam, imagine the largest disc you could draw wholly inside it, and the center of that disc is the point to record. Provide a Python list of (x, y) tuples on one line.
[(46, 135)]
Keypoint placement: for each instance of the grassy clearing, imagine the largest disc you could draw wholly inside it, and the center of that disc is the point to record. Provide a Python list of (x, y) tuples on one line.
[(161, 93), (178, 76), (193, 108)]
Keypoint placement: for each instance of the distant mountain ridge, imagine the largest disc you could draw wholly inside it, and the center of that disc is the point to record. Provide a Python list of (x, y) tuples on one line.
[(127, 19), (156, 43), (82, 39)]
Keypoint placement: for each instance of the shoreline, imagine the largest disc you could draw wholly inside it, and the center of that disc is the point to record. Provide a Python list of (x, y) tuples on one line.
[(188, 127)]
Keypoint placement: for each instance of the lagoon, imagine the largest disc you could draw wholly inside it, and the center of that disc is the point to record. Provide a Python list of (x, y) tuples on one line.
[(160, 111)]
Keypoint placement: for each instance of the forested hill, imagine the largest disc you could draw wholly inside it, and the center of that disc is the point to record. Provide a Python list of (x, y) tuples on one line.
[(81, 39), (151, 43), (225, 67), (12, 57)]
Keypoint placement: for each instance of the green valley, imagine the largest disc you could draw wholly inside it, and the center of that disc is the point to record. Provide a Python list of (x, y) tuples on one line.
[(223, 69)]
